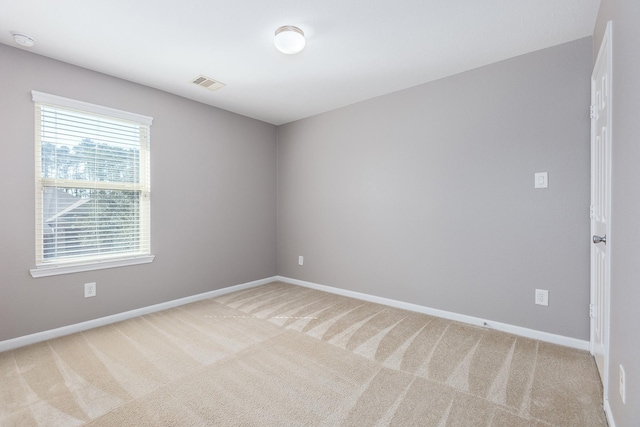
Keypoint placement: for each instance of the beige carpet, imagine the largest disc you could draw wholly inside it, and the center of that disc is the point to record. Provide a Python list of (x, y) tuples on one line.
[(282, 355)]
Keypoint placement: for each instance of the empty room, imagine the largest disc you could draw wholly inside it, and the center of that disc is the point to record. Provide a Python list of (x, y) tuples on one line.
[(365, 213)]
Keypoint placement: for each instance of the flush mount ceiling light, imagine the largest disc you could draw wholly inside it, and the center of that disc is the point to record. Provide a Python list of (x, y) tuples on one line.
[(289, 39), (23, 39)]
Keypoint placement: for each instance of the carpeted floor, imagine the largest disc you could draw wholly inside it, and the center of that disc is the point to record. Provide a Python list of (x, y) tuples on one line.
[(282, 355)]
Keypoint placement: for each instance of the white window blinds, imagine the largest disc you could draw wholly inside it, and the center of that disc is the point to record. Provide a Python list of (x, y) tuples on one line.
[(92, 182)]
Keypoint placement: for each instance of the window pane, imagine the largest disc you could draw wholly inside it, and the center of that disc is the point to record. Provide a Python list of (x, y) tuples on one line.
[(90, 161), (76, 146), (82, 222)]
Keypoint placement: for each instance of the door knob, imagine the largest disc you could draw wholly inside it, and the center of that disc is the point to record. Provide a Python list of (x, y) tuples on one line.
[(598, 239)]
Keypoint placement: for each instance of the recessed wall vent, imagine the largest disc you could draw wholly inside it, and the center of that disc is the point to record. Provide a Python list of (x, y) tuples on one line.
[(208, 83)]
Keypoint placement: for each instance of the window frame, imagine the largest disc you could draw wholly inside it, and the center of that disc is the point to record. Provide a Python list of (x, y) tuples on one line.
[(100, 261)]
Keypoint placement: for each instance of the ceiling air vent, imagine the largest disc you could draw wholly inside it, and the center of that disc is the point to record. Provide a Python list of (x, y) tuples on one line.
[(208, 83)]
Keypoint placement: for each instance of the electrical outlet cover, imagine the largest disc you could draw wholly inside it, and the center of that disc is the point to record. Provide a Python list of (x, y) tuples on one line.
[(542, 297), (90, 289)]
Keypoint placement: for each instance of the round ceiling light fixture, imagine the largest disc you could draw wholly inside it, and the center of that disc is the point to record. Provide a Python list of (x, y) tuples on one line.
[(289, 39), (23, 39)]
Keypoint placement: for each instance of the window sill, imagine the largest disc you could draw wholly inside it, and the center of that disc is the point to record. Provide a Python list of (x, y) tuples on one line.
[(54, 270)]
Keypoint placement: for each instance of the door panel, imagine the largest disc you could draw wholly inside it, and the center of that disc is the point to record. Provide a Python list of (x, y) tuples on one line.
[(601, 203)]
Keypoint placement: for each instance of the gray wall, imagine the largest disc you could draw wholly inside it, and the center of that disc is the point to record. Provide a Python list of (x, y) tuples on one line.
[(624, 241), (213, 199), (427, 195)]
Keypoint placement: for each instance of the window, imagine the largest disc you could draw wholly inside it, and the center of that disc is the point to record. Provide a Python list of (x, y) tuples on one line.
[(92, 186)]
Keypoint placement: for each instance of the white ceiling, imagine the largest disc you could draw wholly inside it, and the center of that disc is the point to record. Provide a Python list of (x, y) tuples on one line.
[(356, 49)]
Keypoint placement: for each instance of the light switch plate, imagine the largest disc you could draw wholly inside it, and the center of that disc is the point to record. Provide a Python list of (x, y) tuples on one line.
[(623, 385), (541, 179)]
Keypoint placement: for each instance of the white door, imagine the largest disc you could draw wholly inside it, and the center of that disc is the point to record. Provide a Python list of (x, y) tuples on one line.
[(601, 203)]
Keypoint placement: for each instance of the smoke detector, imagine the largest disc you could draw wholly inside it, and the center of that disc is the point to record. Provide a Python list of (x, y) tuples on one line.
[(23, 39), (208, 83)]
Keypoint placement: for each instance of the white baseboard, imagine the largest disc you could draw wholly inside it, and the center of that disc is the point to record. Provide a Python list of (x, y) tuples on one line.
[(609, 413), (83, 326), (504, 327)]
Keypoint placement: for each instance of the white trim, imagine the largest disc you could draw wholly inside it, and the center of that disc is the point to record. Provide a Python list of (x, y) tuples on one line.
[(54, 270), (516, 330), (609, 413), (61, 264), (60, 101), (90, 324), (503, 327)]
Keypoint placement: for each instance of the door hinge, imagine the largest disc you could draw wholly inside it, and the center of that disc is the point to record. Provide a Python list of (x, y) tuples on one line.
[(592, 311), (592, 211), (593, 112)]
